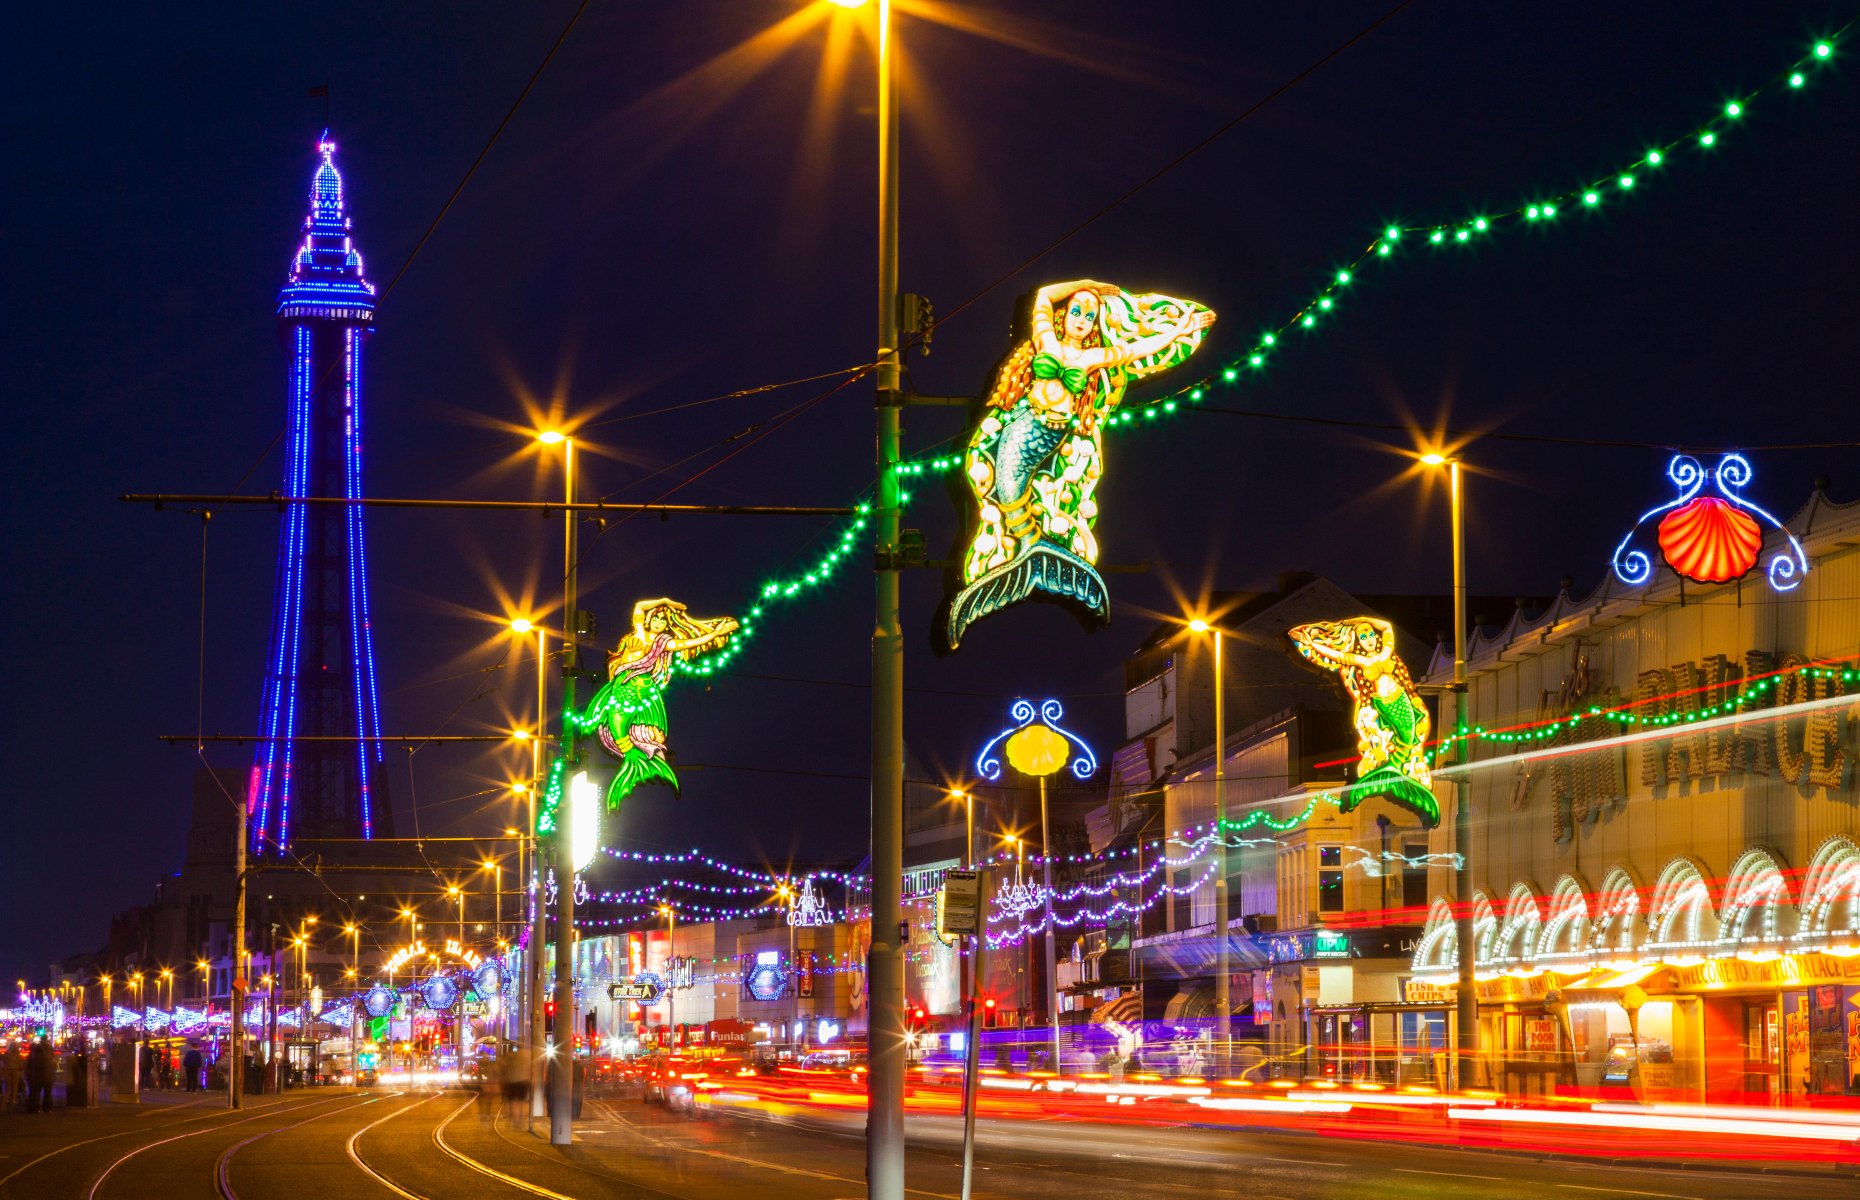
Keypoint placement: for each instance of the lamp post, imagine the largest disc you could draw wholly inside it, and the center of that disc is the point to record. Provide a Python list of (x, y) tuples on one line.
[(562, 1083), (355, 980), (529, 869), (142, 1023), (885, 960), (1223, 967), (1466, 1003), (671, 974), (458, 1024), (407, 914)]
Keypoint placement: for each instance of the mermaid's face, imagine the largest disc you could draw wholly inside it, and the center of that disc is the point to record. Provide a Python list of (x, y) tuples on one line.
[(1368, 640), (1081, 315), (655, 621)]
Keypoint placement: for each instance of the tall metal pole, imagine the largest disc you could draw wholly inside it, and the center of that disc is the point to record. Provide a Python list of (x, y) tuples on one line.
[(1052, 946), (972, 1057), (671, 974), (1223, 966), (1466, 1001), (235, 1035), (532, 890), (458, 1023), (885, 961), (562, 1082)]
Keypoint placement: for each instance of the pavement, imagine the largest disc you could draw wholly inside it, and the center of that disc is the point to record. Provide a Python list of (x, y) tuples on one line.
[(335, 1143)]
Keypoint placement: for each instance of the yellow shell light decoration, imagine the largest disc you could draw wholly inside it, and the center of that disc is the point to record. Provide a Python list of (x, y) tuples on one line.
[(1036, 745), (1037, 750)]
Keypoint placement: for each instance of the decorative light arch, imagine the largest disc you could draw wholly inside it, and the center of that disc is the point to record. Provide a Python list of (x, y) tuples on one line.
[(1757, 912), (1514, 948), (1681, 920), (1439, 950), (1565, 933), (1616, 923), (1437, 953), (1830, 903), (1485, 930)]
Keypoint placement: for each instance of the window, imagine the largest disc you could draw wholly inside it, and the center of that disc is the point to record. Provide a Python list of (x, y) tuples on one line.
[(1414, 875), (1330, 879)]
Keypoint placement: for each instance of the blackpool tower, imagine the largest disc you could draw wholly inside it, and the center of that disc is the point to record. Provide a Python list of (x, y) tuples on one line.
[(320, 771)]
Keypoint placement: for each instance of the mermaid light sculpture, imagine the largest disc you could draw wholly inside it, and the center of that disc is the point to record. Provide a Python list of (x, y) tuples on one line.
[(1391, 720), (1034, 460), (630, 708)]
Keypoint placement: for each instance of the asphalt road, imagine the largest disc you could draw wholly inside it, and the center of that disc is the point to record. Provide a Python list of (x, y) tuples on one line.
[(335, 1144)]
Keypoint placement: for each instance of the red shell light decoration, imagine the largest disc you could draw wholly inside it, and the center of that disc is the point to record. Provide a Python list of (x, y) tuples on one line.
[(1708, 540)]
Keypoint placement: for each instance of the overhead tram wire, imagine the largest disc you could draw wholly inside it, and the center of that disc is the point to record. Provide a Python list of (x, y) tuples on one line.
[(856, 373), (1481, 435), (1233, 123)]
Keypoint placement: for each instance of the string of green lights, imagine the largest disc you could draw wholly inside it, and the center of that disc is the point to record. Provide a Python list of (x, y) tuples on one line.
[(1546, 210), (1749, 695)]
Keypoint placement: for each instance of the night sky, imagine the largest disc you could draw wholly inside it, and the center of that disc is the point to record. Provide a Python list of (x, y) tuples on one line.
[(683, 207)]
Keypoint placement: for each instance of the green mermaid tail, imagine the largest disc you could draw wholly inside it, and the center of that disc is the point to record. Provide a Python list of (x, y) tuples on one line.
[(637, 767), (1404, 790)]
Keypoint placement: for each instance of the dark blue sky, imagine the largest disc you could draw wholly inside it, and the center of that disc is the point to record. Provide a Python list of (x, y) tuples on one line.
[(670, 217)]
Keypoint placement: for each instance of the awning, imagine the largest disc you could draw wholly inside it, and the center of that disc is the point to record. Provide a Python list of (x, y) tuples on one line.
[(1195, 1002), (1609, 986)]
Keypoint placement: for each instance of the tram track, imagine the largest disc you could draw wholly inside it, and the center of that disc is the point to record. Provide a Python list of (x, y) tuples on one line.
[(268, 1112), (222, 1169), (154, 1127)]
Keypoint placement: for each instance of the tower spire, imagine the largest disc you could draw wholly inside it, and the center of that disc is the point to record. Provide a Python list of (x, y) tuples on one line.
[(320, 671)]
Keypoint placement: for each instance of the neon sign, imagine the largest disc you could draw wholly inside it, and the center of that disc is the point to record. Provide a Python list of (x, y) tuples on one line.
[(1034, 459), (1710, 539), (630, 709), (808, 909), (1036, 745), (1391, 720)]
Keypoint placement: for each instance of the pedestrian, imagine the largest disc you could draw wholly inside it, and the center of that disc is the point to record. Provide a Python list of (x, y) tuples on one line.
[(190, 1064), (13, 1076), (41, 1068), (516, 1076)]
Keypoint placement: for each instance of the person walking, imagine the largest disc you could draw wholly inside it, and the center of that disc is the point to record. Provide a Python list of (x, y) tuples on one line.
[(190, 1065), (13, 1077), (41, 1068)]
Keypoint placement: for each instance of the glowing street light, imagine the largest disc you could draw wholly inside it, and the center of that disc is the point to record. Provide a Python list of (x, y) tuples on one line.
[(1466, 1001)]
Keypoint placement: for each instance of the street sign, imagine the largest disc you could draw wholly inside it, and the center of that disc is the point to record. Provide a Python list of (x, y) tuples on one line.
[(642, 990), (961, 910)]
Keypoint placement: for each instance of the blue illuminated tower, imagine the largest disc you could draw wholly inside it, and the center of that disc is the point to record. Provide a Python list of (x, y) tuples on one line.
[(320, 772)]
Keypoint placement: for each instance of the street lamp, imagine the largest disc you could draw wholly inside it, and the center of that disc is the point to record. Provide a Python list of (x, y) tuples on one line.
[(885, 959), (968, 825), (671, 974), (1223, 996), (532, 966), (561, 1115), (1466, 1003)]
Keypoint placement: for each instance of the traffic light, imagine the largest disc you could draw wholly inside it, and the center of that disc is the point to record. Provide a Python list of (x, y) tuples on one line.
[(548, 1016)]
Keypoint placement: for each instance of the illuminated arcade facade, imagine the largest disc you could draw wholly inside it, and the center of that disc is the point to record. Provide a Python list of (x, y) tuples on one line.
[(1666, 849), (319, 678)]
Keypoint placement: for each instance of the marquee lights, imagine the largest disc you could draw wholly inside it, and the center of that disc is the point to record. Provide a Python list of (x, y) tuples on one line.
[(1710, 539), (1036, 454), (1391, 719)]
